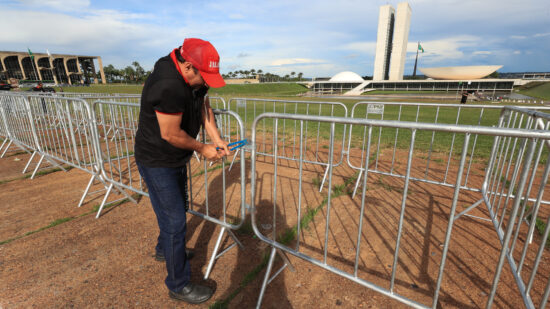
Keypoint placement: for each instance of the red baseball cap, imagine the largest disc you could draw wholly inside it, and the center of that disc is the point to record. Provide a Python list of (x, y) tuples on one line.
[(205, 58)]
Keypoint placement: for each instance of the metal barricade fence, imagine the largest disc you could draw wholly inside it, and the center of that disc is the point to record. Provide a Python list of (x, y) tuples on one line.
[(64, 131), (281, 215), (315, 150), (440, 145), (17, 119), (513, 191), (116, 125)]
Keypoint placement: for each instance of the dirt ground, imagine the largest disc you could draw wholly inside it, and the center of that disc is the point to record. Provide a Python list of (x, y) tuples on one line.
[(85, 262)]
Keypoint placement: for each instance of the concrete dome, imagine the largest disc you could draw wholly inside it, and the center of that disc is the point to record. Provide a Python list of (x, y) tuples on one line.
[(346, 76), (462, 72)]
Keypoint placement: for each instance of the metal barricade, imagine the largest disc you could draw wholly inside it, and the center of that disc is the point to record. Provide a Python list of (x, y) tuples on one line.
[(116, 125), (339, 242), (315, 150), (18, 122), (440, 145), (513, 191)]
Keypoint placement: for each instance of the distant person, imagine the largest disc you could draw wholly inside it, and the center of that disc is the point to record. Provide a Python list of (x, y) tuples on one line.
[(40, 88), (464, 97), (174, 105)]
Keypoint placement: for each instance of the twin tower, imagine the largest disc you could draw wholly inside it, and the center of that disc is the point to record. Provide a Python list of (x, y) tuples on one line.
[(391, 42)]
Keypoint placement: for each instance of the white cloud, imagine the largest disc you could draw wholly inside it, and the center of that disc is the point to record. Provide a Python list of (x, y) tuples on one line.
[(444, 49), (363, 47), (482, 52), (62, 5), (294, 61), (538, 35), (516, 52), (518, 37)]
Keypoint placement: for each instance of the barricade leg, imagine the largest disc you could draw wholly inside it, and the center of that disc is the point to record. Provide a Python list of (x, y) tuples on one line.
[(267, 280), (6, 150), (215, 254), (40, 162), (109, 189), (29, 162), (3, 143), (86, 191)]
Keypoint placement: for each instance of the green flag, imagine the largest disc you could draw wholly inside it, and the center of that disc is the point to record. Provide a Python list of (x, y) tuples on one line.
[(30, 53), (420, 48)]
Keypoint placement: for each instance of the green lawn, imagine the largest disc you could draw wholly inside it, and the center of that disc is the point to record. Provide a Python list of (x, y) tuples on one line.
[(539, 90), (271, 89)]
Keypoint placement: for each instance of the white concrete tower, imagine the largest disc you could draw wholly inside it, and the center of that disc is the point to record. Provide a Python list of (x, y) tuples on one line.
[(400, 40), (383, 43)]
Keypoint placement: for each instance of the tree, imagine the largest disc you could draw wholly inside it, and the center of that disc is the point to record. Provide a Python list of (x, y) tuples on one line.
[(139, 71), (300, 75), (110, 73), (129, 74)]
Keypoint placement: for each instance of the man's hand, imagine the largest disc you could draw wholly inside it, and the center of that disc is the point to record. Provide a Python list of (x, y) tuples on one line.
[(210, 153), (222, 147)]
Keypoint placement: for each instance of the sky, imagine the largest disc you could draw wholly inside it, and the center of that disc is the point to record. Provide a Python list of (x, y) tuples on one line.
[(317, 38)]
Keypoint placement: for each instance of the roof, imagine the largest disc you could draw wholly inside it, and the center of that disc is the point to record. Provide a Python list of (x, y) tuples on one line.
[(346, 76), (460, 72)]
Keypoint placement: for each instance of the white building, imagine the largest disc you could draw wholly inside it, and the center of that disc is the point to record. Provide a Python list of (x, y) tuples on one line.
[(391, 42), (400, 40), (383, 43)]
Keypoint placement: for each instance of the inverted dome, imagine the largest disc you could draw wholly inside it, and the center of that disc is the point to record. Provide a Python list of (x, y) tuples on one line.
[(462, 72), (346, 76)]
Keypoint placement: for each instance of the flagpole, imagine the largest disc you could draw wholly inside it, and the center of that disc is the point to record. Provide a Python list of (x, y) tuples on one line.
[(416, 60), (33, 64)]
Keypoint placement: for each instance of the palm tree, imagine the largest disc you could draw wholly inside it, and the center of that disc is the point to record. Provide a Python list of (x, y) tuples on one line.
[(300, 75)]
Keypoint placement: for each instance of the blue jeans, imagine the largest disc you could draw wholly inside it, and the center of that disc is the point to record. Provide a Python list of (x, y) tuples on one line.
[(169, 197)]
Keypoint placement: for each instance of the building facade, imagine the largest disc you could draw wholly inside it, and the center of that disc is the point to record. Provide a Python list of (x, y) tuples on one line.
[(53, 68), (391, 42)]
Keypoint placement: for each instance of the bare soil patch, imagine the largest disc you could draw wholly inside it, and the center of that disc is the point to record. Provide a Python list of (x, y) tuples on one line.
[(108, 262)]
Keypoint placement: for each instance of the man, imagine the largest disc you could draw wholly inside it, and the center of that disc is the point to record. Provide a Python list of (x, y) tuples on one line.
[(464, 97), (173, 107)]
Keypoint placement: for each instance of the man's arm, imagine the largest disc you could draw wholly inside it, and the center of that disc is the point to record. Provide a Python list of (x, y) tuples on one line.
[(171, 132), (209, 123)]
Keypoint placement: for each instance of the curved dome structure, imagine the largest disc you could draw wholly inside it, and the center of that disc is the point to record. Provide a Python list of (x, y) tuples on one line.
[(346, 77), (462, 72)]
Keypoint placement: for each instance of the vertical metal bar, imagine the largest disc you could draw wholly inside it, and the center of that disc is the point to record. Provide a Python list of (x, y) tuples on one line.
[(534, 214), (363, 199), (511, 223), (431, 147), (402, 215), (541, 250), (205, 177), (331, 154), (300, 171), (473, 150), (395, 142), (451, 218), (275, 162)]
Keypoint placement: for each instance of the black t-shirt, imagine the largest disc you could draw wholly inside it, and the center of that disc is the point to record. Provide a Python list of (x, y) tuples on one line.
[(166, 91)]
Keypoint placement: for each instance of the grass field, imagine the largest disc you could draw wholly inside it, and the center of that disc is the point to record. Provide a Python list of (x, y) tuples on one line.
[(275, 89), (539, 90)]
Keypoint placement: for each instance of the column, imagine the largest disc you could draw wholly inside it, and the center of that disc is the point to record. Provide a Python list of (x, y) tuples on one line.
[(67, 71), (100, 63)]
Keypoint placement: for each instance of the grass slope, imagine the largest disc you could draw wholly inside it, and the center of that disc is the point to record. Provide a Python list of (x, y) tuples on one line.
[(271, 89), (539, 90)]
